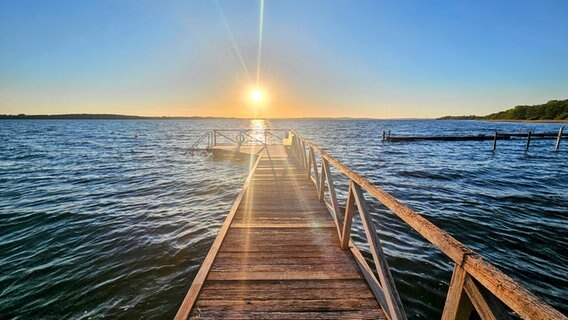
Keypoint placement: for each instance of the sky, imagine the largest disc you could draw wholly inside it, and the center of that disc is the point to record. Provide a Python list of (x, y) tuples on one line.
[(329, 58)]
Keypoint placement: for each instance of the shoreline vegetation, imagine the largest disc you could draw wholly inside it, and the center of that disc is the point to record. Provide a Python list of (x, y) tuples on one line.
[(95, 116), (552, 111)]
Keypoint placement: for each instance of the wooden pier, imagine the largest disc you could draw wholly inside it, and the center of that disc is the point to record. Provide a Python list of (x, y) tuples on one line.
[(285, 251), (278, 256)]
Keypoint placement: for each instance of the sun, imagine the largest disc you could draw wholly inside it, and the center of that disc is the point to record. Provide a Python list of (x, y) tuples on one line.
[(257, 95)]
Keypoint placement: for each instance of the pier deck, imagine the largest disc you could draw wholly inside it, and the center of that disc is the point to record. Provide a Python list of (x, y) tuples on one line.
[(280, 256), (285, 249)]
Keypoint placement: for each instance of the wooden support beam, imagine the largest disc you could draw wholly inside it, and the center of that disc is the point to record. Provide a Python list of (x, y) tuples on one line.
[(458, 306), (321, 190), (347, 220), (303, 153), (393, 299), (486, 310), (374, 284), (315, 167), (309, 166), (332, 194)]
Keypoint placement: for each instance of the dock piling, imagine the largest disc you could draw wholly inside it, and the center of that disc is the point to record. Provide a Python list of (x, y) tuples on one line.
[(559, 138), (528, 141), (495, 141)]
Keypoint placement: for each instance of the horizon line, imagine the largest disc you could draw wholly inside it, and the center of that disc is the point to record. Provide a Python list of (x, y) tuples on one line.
[(128, 116)]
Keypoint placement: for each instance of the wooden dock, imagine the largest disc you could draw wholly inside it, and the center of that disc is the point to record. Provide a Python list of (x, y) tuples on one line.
[(279, 257), (387, 137), (285, 250)]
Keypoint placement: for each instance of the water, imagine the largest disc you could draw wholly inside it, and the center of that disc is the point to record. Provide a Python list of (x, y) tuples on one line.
[(111, 219)]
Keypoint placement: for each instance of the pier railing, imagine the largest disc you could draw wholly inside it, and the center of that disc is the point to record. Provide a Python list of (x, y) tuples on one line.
[(472, 276), (239, 137)]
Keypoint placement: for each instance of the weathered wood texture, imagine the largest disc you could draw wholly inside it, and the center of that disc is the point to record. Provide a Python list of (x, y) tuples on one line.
[(501, 286), (280, 258)]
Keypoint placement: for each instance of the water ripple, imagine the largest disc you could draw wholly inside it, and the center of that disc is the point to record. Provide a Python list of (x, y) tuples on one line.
[(96, 223)]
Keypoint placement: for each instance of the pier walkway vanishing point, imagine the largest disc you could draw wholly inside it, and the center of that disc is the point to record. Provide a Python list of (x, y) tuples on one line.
[(285, 250)]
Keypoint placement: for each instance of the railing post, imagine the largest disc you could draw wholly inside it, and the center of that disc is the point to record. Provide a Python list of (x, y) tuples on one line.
[(315, 167), (304, 158), (347, 219), (301, 153), (322, 181), (214, 137), (458, 306), (391, 294), (559, 138), (331, 186), (296, 148), (309, 166)]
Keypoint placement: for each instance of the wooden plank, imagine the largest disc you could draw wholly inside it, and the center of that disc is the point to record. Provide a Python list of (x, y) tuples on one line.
[(275, 293), (290, 304), (239, 266), (209, 313), (333, 196), (315, 167), (478, 301), (457, 305), (396, 310), (328, 224), (278, 275), (191, 296), (347, 220), (486, 305), (372, 281), (512, 293)]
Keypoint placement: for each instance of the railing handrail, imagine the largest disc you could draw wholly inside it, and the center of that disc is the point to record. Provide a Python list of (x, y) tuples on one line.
[(250, 129), (212, 134), (509, 291)]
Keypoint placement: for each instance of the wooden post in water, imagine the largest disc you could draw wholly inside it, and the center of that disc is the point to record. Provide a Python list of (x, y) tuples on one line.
[(528, 140), (559, 138), (214, 137), (495, 141), (384, 135)]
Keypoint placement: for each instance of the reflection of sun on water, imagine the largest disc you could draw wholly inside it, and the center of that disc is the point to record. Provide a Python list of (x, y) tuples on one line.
[(257, 127)]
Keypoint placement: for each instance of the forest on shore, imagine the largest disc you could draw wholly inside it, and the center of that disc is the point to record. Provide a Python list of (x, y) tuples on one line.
[(552, 110)]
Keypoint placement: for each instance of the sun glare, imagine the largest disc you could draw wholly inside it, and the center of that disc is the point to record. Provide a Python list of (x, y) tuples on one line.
[(257, 96)]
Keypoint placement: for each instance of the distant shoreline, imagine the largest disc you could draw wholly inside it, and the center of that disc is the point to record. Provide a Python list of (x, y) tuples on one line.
[(529, 121), (88, 116), (130, 117)]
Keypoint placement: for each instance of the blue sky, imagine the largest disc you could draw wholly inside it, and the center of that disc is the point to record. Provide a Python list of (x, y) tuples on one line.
[(380, 59)]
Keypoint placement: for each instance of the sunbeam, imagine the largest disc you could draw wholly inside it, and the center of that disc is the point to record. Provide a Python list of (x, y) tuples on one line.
[(233, 42), (260, 41)]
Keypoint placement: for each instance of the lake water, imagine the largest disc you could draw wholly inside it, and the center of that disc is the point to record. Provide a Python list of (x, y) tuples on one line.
[(112, 219)]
